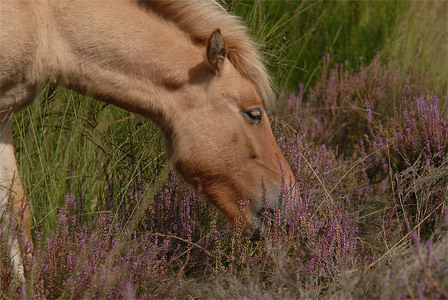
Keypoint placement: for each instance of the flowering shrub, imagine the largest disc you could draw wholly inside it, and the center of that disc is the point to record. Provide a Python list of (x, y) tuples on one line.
[(383, 116), (102, 257)]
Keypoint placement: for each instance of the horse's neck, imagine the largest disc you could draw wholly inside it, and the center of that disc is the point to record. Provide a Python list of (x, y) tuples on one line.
[(119, 53)]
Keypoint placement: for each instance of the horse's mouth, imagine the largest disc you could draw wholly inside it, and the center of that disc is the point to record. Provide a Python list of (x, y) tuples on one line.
[(257, 231), (258, 234)]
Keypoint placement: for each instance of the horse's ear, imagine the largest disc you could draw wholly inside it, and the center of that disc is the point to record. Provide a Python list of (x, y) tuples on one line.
[(216, 50)]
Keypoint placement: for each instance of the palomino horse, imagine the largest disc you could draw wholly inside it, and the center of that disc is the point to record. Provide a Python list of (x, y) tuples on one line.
[(185, 64)]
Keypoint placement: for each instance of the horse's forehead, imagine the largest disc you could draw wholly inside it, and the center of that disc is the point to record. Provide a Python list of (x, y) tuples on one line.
[(248, 96), (242, 89)]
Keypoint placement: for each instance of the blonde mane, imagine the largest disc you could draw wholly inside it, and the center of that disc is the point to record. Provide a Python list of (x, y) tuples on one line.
[(200, 18)]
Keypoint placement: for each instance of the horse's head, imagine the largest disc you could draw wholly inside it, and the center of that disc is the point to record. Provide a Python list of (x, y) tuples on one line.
[(222, 141)]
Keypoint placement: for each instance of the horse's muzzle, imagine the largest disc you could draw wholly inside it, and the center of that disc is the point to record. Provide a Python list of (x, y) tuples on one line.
[(257, 232)]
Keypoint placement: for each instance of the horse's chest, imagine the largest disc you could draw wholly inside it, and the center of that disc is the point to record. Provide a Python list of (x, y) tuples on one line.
[(17, 98)]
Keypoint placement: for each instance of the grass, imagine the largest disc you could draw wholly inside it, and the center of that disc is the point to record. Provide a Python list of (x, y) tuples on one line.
[(348, 126), (296, 35), (68, 143), (419, 37)]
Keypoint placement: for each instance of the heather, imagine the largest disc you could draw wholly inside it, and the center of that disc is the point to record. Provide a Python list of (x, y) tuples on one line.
[(370, 187), (384, 117), (362, 119)]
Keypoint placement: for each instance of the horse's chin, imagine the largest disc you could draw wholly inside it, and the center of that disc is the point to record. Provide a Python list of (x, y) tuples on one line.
[(256, 232)]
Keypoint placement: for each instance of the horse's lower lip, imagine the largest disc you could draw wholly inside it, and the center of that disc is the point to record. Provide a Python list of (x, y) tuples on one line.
[(256, 235), (256, 232)]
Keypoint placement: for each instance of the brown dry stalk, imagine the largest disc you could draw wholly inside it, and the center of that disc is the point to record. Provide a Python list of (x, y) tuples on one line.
[(188, 242), (403, 238)]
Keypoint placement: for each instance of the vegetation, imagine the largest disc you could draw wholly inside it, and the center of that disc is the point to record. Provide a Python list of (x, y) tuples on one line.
[(362, 118)]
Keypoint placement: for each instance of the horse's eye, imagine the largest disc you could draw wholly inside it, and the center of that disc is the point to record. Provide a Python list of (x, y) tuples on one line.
[(254, 115)]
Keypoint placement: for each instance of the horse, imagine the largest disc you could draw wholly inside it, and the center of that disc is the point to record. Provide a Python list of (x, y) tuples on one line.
[(187, 65)]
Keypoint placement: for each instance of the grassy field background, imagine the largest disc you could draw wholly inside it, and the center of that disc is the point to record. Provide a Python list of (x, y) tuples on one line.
[(351, 76)]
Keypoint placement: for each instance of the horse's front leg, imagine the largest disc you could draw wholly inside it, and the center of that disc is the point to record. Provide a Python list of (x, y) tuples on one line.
[(12, 196)]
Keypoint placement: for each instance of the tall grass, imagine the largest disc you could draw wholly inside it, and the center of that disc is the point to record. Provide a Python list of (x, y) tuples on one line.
[(419, 37), (67, 143), (296, 35)]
